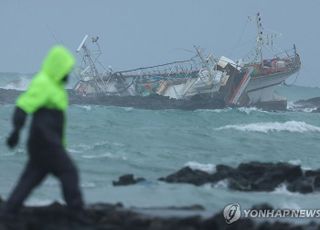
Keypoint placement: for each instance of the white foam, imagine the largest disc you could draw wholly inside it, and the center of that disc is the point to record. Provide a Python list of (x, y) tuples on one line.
[(84, 147), (299, 163), (73, 150), (88, 185), (209, 168), (104, 155), (291, 105), (128, 109), (309, 110), (222, 184), (295, 162), (296, 108), (265, 127), (214, 110), (85, 107), (94, 156), (305, 168), (282, 189), (20, 84), (42, 202), (249, 110)]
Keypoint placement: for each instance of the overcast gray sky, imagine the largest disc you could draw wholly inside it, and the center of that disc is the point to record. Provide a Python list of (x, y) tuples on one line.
[(135, 33)]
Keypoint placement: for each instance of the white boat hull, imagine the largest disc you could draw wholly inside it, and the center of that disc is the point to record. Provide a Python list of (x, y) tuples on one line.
[(261, 89)]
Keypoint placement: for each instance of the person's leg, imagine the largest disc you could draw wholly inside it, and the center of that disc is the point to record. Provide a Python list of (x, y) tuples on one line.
[(30, 178), (67, 173)]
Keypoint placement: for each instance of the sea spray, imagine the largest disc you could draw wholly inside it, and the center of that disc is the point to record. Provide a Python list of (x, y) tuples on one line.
[(265, 127)]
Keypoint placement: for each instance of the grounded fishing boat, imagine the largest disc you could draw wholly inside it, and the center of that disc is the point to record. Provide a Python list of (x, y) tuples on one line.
[(199, 82)]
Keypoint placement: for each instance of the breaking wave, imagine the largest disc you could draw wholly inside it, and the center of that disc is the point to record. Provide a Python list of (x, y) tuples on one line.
[(17, 84), (88, 185), (41, 202), (94, 156), (249, 110), (104, 155), (295, 162), (209, 168), (265, 127), (291, 106), (85, 107), (282, 189), (214, 110), (221, 184), (298, 162)]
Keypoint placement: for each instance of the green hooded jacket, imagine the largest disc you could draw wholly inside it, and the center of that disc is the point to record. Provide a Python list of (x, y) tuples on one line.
[(47, 92), (47, 88)]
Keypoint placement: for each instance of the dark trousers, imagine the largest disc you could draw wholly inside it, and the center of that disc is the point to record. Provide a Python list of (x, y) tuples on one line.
[(41, 163)]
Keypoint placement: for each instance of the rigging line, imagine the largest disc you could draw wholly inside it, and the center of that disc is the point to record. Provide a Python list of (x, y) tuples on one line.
[(239, 38), (278, 50)]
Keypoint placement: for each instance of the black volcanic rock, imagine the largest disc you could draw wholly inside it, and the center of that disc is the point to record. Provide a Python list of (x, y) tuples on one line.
[(302, 185), (188, 175), (253, 176), (311, 102), (116, 217), (316, 183), (267, 176), (310, 173), (127, 179)]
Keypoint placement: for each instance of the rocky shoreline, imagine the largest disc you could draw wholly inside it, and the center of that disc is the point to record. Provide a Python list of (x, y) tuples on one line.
[(116, 217), (311, 103), (252, 176)]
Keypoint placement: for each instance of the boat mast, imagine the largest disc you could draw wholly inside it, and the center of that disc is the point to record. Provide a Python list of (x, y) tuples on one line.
[(259, 38), (90, 63)]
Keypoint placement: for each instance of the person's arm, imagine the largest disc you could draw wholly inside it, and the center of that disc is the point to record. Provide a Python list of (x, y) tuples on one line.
[(18, 120), (29, 102)]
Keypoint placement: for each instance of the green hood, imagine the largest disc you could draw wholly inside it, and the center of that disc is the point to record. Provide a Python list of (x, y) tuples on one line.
[(46, 89), (58, 63)]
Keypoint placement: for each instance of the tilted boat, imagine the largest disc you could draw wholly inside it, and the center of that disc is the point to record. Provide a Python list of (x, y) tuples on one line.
[(199, 82)]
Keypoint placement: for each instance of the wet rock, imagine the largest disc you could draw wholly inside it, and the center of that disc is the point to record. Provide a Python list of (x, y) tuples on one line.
[(268, 176), (188, 175), (302, 185), (311, 102), (311, 173), (116, 217), (316, 183), (127, 179), (252, 176)]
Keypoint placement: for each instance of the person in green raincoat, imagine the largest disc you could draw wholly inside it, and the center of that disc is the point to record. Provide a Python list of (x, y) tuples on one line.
[(46, 100)]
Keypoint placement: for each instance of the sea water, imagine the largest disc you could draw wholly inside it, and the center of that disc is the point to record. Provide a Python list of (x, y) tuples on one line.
[(107, 142)]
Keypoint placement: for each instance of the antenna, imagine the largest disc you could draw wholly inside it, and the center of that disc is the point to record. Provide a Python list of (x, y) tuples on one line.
[(259, 37), (82, 43)]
